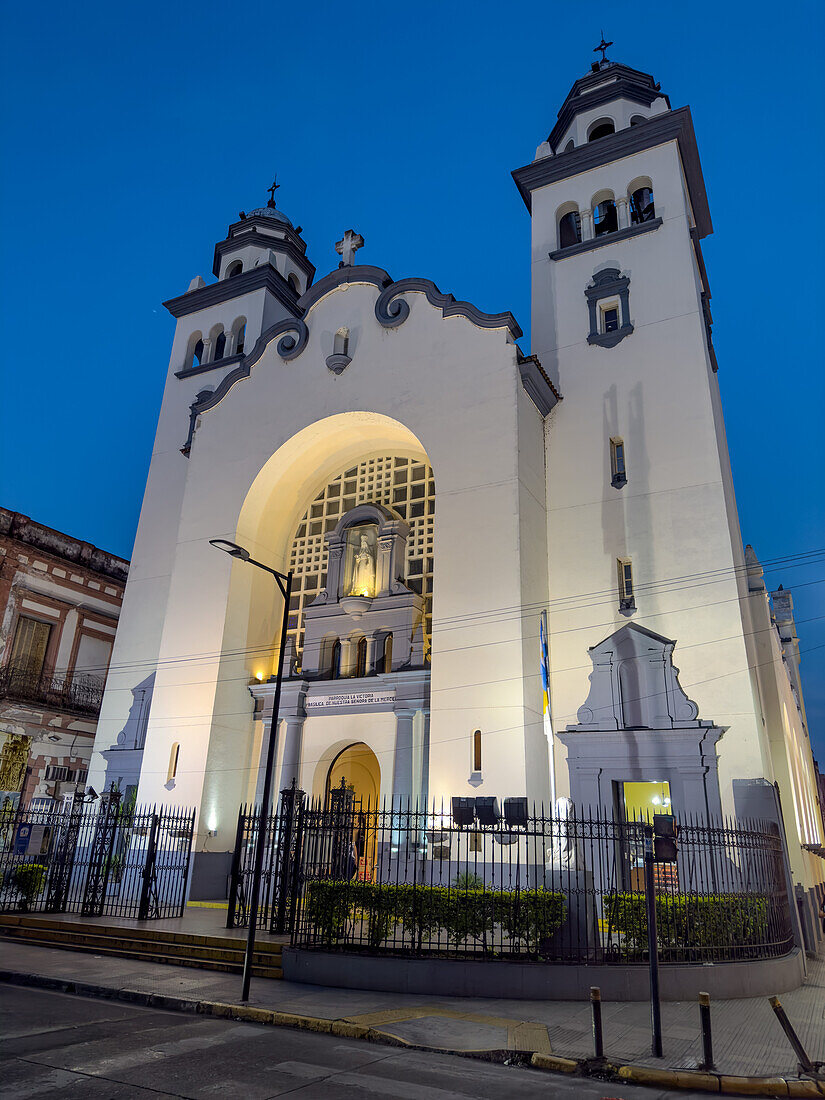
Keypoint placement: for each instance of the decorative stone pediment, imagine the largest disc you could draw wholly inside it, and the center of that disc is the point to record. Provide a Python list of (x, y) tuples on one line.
[(634, 685)]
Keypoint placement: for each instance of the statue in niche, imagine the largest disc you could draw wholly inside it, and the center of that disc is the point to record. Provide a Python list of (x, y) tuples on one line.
[(363, 570)]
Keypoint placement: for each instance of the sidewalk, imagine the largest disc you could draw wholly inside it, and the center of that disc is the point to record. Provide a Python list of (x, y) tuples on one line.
[(747, 1038)]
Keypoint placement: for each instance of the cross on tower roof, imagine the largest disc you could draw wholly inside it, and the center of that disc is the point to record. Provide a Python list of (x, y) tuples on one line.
[(272, 190), (348, 246), (603, 47)]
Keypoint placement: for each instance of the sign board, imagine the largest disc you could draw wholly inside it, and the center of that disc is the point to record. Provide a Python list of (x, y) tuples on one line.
[(349, 699), (21, 839)]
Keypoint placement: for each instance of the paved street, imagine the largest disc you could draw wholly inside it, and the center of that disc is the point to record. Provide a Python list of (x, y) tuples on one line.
[(747, 1038), (64, 1046)]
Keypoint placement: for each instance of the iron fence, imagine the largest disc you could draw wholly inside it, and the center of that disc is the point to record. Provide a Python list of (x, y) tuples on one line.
[(98, 860), (74, 692), (279, 884), (531, 886)]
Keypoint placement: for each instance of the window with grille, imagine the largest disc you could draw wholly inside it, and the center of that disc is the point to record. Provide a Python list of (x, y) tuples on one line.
[(30, 641), (58, 773), (404, 484), (617, 463), (627, 600)]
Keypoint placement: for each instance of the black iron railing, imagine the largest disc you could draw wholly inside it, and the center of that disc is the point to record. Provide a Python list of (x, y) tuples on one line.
[(279, 882), (77, 693), (412, 881), (97, 860)]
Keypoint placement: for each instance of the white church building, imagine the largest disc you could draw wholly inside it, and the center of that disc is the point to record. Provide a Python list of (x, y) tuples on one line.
[(434, 488)]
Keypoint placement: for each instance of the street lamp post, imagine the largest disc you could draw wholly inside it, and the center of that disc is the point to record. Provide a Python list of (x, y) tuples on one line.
[(285, 585)]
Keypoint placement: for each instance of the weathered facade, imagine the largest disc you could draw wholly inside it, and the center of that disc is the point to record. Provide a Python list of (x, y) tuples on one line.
[(59, 604)]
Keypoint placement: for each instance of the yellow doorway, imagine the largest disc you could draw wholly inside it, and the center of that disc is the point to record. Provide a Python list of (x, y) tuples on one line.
[(358, 766), (356, 770)]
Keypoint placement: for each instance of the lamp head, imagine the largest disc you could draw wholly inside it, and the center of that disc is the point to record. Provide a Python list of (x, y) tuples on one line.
[(230, 548)]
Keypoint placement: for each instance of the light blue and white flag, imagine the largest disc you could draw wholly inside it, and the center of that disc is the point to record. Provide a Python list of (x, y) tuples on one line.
[(548, 722)]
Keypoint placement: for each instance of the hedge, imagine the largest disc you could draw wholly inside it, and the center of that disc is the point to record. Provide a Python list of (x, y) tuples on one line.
[(688, 922), (28, 879), (430, 913)]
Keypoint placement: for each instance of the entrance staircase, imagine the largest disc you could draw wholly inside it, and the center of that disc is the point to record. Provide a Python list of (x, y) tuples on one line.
[(147, 943)]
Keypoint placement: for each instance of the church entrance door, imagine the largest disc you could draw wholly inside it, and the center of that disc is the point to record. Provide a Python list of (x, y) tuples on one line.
[(355, 777), (358, 766)]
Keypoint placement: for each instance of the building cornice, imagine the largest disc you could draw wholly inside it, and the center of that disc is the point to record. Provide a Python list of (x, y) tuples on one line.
[(674, 126), (341, 276), (292, 334), (263, 240), (537, 384), (605, 86), (23, 529), (606, 238), (264, 277)]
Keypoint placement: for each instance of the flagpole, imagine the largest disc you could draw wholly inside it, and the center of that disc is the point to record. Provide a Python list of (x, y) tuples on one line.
[(548, 722)]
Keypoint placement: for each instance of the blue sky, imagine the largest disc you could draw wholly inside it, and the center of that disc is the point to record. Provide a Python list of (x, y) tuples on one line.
[(133, 134)]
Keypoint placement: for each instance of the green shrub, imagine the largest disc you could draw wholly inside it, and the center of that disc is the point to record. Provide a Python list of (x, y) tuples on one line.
[(531, 916), (28, 880), (429, 914), (685, 922)]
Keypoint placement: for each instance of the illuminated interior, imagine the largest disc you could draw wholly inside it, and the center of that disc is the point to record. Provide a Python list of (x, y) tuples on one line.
[(642, 800)]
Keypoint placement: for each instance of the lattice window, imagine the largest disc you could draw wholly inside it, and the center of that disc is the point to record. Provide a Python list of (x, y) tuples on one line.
[(403, 484)]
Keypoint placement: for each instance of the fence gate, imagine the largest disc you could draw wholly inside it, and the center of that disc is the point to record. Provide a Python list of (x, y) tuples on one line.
[(102, 860), (279, 884)]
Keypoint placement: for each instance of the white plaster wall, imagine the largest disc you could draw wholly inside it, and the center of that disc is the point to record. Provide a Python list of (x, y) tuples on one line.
[(451, 389), (137, 644), (676, 516)]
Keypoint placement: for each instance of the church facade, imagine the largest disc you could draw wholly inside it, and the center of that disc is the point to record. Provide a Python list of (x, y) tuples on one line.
[(434, 489)]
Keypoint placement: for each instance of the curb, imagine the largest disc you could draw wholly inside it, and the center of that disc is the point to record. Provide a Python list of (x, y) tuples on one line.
[(638, 1075)]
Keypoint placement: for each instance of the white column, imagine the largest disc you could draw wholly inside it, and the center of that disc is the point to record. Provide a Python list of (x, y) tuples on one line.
[(347, 658), (207, 350), (293, 737), (370, 663), (587, 225), (624, 221)]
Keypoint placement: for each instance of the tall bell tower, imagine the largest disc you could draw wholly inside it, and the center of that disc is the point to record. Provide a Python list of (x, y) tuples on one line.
[(642, 521)]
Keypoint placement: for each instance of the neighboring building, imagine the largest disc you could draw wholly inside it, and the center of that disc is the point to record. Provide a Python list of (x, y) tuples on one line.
[(434, 489), (59, 604)]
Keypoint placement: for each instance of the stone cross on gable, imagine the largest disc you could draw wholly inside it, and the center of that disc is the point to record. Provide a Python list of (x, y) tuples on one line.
[(348, 246)]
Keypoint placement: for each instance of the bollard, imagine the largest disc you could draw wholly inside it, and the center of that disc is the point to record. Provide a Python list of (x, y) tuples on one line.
[(707, 1039), (652, 946), (805, 1063), (596, 1006)]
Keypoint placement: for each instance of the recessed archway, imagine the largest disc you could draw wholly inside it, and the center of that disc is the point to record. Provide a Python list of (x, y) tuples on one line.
[(358, 768)]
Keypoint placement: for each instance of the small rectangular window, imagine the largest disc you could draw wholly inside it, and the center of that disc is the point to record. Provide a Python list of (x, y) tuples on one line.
[(610, 319), (618, 471), (626, 589)]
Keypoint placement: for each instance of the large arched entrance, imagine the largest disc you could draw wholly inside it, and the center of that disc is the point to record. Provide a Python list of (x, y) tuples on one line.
[(356, 770)]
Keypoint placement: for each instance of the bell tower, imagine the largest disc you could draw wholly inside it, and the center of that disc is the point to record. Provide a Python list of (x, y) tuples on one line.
[(642, 521)]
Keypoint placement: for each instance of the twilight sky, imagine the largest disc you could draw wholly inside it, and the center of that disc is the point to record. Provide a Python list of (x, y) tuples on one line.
[(133, 134)]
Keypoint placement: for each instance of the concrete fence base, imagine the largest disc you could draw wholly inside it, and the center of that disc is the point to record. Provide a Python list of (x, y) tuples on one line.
[(541, 981)]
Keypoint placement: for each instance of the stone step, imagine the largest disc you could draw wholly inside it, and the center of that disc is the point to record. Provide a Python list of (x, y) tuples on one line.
[(229, 951), (261, 966), (149, 934)]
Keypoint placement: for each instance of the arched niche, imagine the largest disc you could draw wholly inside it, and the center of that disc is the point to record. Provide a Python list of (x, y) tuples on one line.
[(274, 504)]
